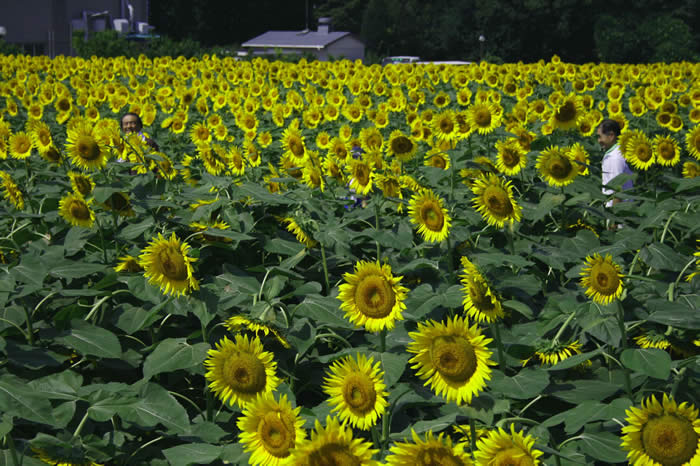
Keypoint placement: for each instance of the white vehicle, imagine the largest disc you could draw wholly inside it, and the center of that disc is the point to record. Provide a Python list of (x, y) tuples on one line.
[(444, 62), (399, 59)]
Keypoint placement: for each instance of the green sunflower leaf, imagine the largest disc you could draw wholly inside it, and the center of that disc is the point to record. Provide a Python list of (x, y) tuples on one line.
[(89, 339), (650, 361), (173, 354), (192, 453), (602, 446)]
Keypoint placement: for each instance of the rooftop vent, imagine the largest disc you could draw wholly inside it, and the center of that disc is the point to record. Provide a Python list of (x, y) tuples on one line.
[(324, 25)]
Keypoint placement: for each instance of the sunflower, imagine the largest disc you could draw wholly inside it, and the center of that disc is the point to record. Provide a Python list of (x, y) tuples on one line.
[(41, 136), (484, 117), (128, 264), (240, 370), (236, 323), (401, 146), (270, 429), (119, 203), (602, 279), (663, 433), (555, 353), (444, 126), (362, 177), (494, 200), (666, 151), (293, 144), (372, 297), (639, 151), (312, 175), (84, 149), (11, 191), (557, 166), (76, 211), (452, 358), (60, 456), (371, 139), (301, 233), (480, 302), (511, 157), (500, 448), (652, 340), (357, 391), (692, 142), (333, 445), (691, 169), (82, 184), (20, 145), (578, 154), (167, 265), (428, 212), (427, 452)]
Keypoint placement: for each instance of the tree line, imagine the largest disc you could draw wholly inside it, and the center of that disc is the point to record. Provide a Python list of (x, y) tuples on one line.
[(578, 31)]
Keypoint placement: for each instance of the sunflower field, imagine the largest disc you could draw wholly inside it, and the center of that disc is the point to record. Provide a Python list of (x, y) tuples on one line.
[(327, 263)]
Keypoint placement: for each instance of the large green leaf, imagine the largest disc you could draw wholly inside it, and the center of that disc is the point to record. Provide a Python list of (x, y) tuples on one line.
[(434, 425), (528, 383), (173, 354), (89, 339), (393, 366), (19, 400), (650, 361), (76, 269), (192, 453), (157, 406), (662, 256), (602, 446), (584, 390), (323, 311), (674, 314)]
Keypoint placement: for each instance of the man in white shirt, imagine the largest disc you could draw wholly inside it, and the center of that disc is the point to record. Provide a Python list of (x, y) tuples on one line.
[(614, 163)]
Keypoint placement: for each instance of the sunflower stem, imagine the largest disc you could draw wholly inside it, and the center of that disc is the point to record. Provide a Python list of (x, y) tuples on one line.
[(102, 240), (499, 346), (10, 444), (668, 224), (80, 426), (677, 382), (376, 227), (324, 262), (623, 339), (30, 328), (382, 340), (555, 340), (472, 439)]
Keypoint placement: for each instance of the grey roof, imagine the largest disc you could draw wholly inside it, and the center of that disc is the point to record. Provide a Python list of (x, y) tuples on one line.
[(295, 39)]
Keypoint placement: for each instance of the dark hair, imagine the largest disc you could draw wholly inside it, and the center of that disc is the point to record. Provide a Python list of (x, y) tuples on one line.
[(138, 120), (608, 126)]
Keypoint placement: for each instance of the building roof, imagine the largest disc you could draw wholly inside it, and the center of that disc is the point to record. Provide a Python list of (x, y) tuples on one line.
[(295, 39)]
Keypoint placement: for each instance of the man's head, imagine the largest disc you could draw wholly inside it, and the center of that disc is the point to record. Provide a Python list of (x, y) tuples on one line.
[(608, 131), (131, 123)]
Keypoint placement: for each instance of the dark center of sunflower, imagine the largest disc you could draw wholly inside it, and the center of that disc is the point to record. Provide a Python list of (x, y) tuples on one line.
[(118, 202), (401, 145), (172, 264), (359, 393), (78, 209), (664, 118), (446, 125), (669, 440), (374, 297), (560, 168), (566, 112), (482, 118), (333, 454), (438, 161), (53, 155), (244, 373), (276, 432), (63, 105), (44, 138), (478, 293), (605, 278), (666, 151), (88, 148), (431, 215), (437, 456), (361, 174), (497, 201), (510, 158), (454, 358), (23, 145), (83, 186), (512, 457), (374, 141), (390, 188), (643, 152)]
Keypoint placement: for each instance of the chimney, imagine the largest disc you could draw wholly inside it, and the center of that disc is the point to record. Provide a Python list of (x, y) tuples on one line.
[(324, 25)]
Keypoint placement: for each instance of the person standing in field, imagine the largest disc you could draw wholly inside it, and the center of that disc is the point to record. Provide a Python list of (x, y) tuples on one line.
[(131, 123), (614, 163)]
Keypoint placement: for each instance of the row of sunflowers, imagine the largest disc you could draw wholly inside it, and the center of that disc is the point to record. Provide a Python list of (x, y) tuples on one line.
[(333, 263)]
